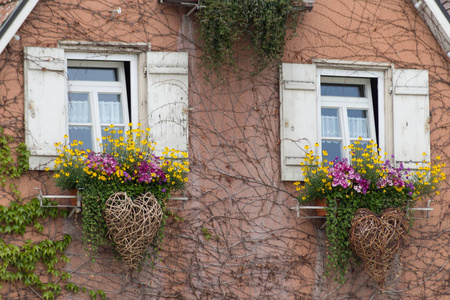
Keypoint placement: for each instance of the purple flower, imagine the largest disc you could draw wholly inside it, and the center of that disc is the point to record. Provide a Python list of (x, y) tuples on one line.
[(102, 162), (149, 170), (145, 169)]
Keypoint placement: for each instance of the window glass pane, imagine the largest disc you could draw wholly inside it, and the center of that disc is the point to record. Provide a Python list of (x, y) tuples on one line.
[(334, 149), (330, 122), (79, 111), (342, 90), (81, 133), (92, 74), (358, 123), (110, 108)]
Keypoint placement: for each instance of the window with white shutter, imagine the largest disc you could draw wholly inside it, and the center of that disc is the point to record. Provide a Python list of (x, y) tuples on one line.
[(331, 104), (80, 94)]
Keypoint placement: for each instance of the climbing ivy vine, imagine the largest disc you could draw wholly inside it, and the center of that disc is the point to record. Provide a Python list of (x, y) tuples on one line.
[(10, 168), (18, 262), (265, 23)]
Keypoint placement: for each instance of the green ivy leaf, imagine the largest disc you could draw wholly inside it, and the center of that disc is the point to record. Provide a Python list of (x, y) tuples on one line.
[(48, 295)]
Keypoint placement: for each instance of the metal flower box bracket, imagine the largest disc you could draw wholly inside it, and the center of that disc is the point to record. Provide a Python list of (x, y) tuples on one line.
[(75, 208), (298, 207), (195, 4)]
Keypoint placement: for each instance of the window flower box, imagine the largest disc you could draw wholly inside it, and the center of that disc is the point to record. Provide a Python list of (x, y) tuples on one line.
[(126, 164), (365, 181)]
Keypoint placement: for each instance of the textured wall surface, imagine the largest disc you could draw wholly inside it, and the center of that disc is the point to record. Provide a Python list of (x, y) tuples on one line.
[(259, 248)]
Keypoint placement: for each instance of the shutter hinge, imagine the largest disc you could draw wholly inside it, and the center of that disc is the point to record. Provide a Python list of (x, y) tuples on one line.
[(31, 108), (427, 125), (145, 71), (187, 109)]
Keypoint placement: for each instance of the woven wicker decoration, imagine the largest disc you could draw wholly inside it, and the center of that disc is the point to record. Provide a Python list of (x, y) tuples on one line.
[(376, 240), (132, 224)]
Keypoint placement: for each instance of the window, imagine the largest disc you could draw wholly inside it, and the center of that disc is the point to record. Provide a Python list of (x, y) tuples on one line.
[(97, 97), (346, 114), (333, 103), (81, 93)]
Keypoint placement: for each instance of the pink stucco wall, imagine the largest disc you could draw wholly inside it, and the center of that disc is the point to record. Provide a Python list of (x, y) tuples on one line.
[(262, 250)]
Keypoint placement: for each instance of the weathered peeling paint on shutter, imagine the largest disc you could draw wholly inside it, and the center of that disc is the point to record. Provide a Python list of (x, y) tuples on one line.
[(299, 127), (45, 103), (411, 117), (167, 78)]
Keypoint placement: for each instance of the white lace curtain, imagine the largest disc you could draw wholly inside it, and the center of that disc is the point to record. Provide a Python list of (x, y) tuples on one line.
[(358, 127), (110, 109)]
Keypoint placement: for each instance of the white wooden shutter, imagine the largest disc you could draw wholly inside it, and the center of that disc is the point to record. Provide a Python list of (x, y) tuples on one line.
[(45, 103), (299, 124), (411, 117), (167, 78)]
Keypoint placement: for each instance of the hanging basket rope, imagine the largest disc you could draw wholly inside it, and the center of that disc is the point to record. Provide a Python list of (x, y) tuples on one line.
[(132, 224), (376, 240)]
